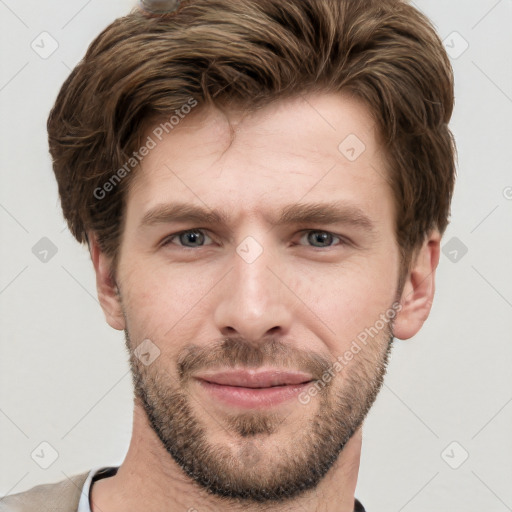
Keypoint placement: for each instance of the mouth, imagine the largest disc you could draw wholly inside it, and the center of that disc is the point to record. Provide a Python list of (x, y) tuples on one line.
[(253, 389)]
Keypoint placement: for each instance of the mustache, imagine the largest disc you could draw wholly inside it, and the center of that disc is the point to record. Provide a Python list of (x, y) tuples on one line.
[(235, 351)]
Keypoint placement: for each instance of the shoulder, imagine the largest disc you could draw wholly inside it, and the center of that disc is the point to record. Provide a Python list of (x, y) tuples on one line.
[(62, 496)]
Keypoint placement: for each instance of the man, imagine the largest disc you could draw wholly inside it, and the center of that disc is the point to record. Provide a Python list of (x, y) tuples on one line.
[(263, 186)]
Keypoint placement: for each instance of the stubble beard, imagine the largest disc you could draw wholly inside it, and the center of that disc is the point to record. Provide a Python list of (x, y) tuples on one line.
[(252, 467)]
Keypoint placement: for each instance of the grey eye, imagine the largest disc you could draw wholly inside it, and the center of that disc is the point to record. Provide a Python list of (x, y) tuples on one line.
[(320, 239), (159, 6), (192, 237)]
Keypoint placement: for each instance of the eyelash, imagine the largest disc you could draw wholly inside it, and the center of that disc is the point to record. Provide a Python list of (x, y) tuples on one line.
[(168, 240)]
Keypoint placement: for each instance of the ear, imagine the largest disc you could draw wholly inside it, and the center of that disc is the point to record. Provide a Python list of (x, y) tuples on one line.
[(418, 293), (108, 292)]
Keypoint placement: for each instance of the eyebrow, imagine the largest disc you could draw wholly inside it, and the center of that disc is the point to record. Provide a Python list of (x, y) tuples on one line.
[(313, 213)]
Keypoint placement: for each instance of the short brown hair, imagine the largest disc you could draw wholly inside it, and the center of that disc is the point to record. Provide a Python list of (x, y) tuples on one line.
[(250, 53)]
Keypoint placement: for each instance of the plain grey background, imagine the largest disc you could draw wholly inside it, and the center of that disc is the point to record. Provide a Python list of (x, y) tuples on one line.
[(439, 436)]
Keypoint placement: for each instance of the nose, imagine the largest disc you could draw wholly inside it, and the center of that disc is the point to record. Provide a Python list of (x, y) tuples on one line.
[(253, 300)]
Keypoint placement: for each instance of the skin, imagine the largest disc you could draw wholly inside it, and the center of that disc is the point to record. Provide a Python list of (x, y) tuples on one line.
[(311, 296)]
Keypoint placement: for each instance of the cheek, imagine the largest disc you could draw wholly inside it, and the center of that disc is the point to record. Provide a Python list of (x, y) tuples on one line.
[(164, 303), (347, 300)]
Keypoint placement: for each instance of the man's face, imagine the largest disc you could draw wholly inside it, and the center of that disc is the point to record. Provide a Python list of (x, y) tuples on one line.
[(251, 310)]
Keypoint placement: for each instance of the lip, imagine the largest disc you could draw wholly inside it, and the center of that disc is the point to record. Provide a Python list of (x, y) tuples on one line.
[(256, 379), (254, 389)]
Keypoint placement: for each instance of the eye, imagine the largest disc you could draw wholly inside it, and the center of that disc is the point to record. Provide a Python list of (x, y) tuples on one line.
[(323, 238), (189, 239)]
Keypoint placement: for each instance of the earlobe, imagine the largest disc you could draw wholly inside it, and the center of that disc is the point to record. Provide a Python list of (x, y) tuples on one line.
[(418, 293), (108, 292)]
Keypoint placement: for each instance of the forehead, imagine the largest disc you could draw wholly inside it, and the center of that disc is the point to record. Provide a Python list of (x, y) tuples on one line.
[(317, 147)]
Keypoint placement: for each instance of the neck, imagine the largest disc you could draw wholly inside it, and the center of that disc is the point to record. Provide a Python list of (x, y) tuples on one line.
[(149, 479)]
